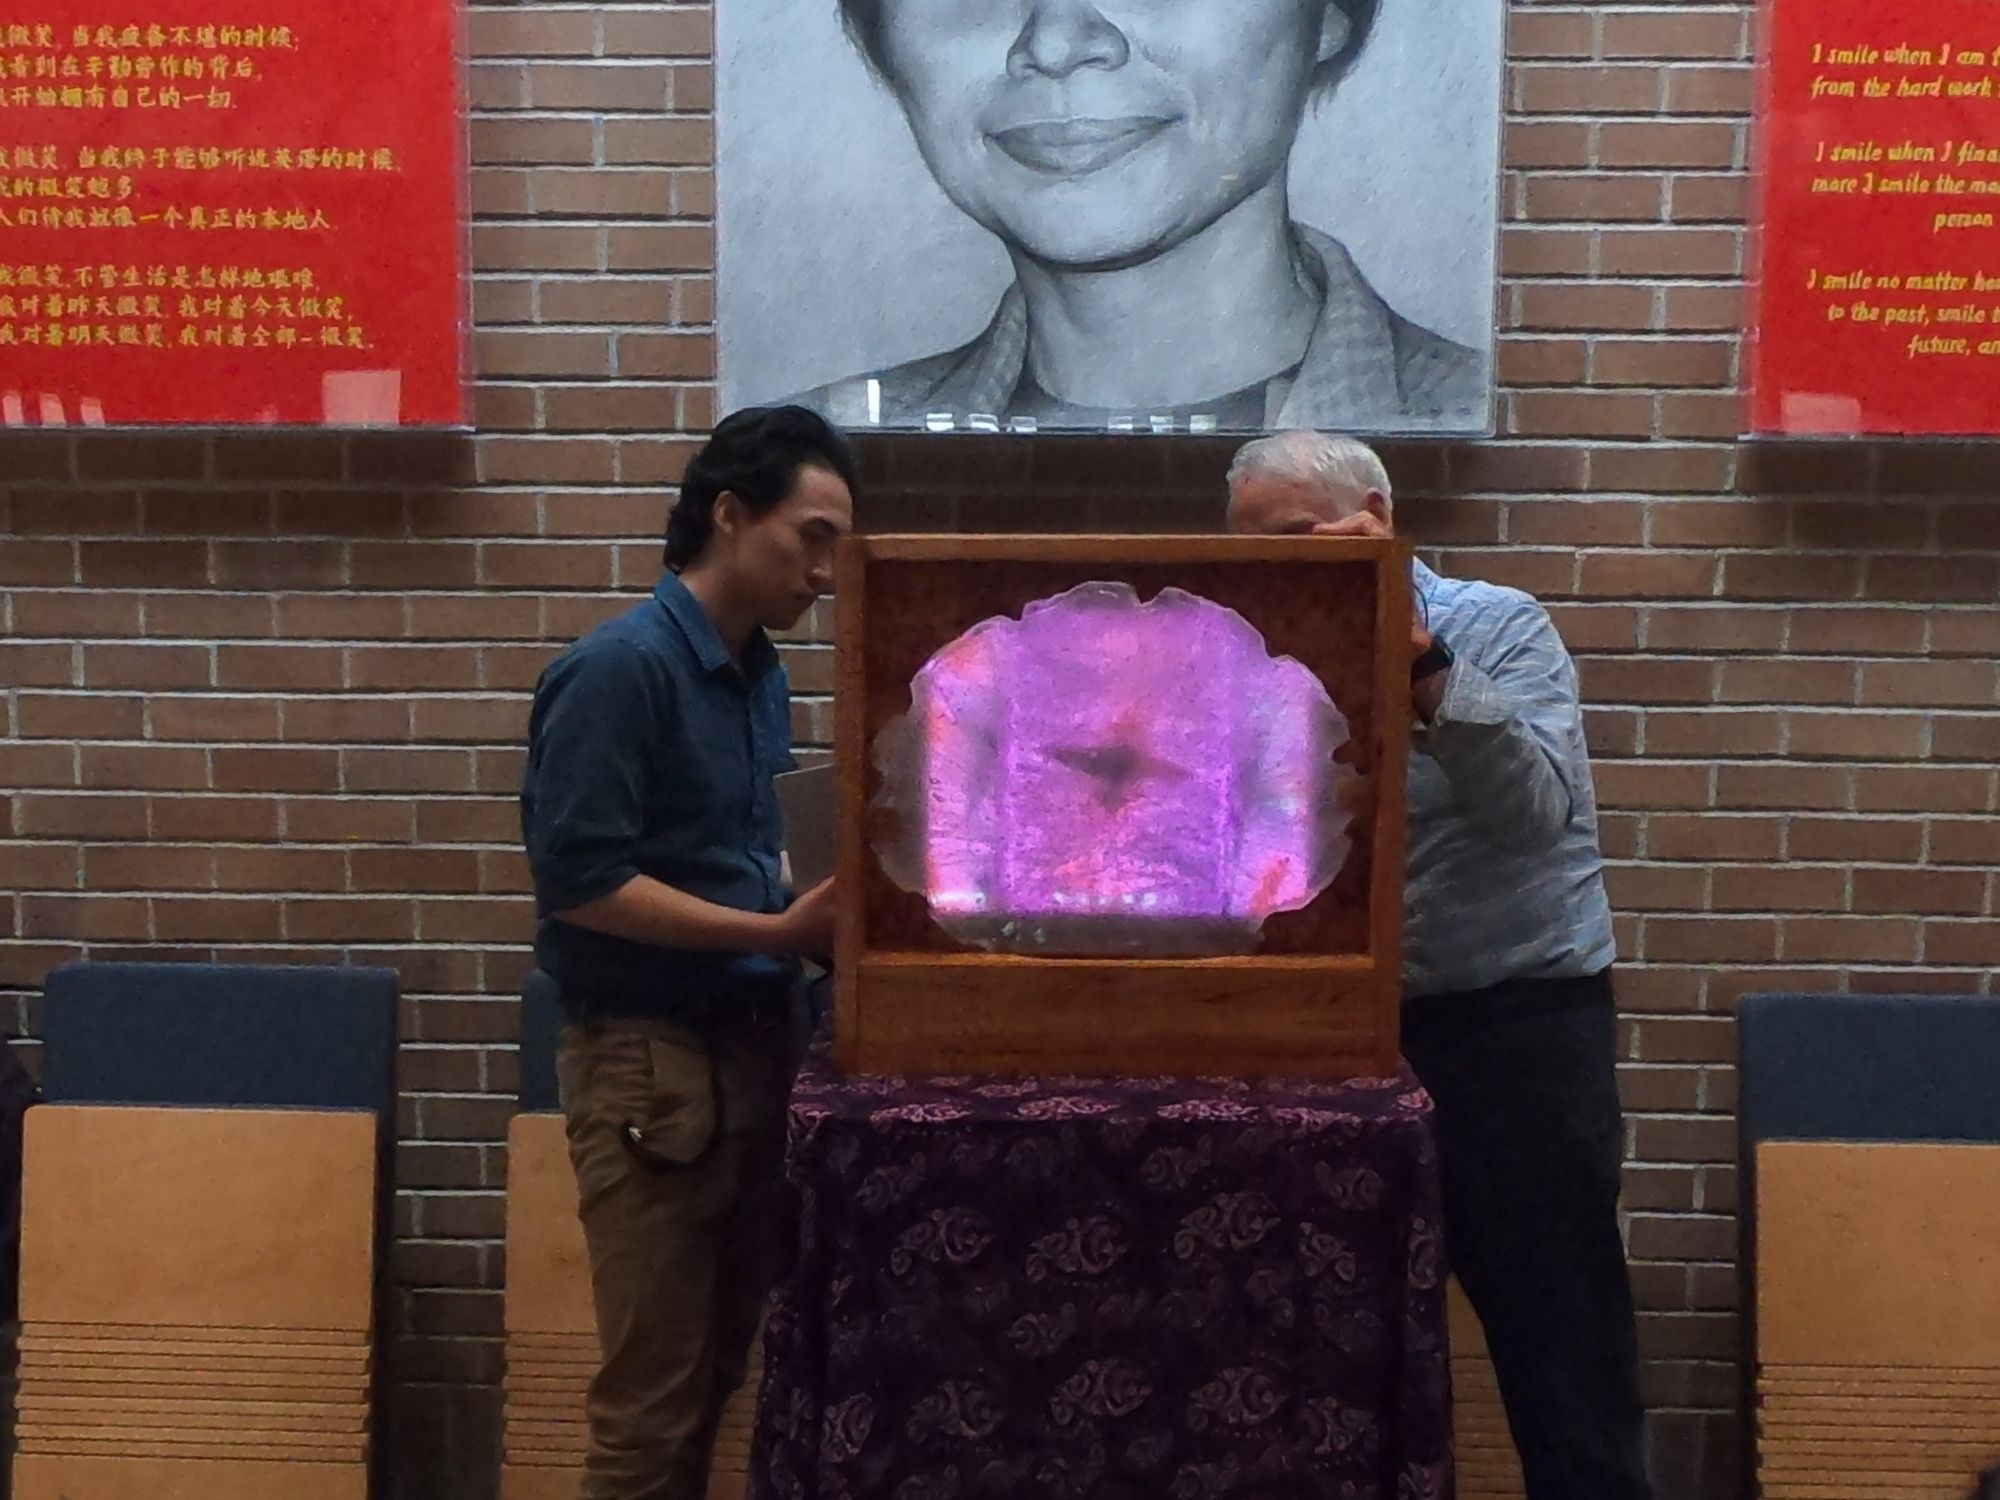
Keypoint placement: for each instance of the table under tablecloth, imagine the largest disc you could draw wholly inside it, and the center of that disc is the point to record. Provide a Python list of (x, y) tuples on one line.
[(1108, 1289)]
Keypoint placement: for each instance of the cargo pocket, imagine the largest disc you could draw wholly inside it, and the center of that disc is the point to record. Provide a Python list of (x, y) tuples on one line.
[(673, 1125)]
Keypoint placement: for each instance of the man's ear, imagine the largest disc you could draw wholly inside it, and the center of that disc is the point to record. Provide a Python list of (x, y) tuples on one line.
[(1377, 505), (726, 514)]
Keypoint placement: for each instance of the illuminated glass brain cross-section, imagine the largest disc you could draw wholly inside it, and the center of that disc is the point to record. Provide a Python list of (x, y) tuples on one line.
[(1103, 777)]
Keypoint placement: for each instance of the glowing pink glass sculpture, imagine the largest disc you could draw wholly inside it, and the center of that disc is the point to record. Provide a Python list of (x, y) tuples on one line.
[(1103, 776)]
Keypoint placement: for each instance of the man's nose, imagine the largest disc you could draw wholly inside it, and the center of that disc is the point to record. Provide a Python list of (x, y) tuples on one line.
[(1061, 36)]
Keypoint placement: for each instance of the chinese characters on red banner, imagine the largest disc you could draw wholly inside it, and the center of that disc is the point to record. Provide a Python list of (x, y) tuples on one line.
[(237, 218), (1878, 255)]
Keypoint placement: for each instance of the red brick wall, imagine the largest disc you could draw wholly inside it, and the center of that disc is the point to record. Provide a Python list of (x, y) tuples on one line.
[(264, 694)]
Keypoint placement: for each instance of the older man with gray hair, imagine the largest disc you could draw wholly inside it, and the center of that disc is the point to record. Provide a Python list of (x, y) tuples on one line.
[(1508, 1016)]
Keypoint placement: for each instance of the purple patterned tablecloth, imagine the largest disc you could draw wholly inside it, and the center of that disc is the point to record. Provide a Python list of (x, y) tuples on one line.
[(1108, 1289)]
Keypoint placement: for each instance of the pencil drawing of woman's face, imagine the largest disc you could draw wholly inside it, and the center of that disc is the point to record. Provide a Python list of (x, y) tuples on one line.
[(1097, 133)]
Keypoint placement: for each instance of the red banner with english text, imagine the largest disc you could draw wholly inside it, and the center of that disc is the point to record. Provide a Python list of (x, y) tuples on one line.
[(1877, 244)]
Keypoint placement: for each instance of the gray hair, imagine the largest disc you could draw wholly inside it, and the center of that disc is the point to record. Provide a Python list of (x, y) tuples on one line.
[(1343, 467)]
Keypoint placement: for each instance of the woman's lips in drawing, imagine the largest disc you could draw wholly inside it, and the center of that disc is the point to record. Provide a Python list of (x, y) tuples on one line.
[(1069, 148)]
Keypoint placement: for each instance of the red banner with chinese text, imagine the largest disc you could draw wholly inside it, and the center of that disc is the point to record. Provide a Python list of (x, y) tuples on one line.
[(1877, 245), (231, 212)]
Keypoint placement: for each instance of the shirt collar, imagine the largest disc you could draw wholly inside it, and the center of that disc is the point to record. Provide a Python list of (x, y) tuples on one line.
[(759, 655), (985, 379), (1348, 374), (1428, 591)]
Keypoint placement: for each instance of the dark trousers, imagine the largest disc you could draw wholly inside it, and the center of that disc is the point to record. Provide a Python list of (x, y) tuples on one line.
[(1530, 1144)]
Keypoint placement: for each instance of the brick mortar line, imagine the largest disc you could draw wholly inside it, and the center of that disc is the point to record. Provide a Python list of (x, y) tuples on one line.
[(470, 746), (1649, 500), (411, 644), (1708, 864)]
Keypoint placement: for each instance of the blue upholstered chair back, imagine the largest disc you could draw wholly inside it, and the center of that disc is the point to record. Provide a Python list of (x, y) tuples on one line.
[(1869, 1067), (278, 1037)]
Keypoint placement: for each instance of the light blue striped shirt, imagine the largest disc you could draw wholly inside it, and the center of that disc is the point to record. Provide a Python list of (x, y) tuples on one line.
[(1505, 878)]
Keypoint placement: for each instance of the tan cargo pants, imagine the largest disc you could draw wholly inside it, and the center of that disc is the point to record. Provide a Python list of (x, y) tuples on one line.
[(677, 1140)]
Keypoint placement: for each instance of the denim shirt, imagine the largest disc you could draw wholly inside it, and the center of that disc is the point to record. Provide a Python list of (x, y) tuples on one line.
[(1505, 879), (651, 752)]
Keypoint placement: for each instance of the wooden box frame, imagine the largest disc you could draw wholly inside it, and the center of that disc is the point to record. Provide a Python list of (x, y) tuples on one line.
[(1322, 1003)]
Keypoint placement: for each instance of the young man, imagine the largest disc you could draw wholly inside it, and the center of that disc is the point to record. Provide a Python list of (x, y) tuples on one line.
[(1508, 1016), (653, 831)]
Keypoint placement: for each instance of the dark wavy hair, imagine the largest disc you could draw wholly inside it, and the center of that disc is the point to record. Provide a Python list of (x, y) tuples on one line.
[(756, 455), (862, 20)]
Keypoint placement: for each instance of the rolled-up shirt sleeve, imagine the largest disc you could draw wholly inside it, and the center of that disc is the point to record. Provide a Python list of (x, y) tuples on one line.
[(1508, 734), (592, 736)]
